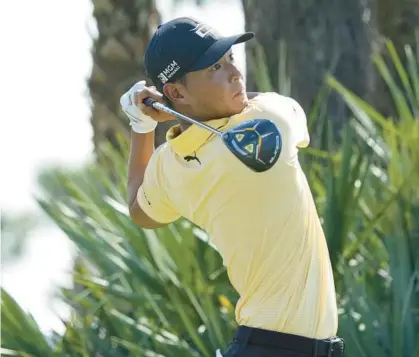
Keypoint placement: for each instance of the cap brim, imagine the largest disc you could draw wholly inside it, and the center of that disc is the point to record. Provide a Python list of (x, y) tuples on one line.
[(218, 50)]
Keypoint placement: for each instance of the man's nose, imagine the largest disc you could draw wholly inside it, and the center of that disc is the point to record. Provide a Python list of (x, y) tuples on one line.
[(235, 74)]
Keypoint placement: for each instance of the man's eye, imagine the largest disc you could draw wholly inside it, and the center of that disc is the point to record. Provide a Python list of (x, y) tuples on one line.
[(216, 67)]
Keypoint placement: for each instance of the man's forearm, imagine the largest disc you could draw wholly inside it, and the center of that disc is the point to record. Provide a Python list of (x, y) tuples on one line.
[(142, 148)]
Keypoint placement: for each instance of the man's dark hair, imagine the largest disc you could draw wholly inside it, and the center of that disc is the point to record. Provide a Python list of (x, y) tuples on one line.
[(168, 102)]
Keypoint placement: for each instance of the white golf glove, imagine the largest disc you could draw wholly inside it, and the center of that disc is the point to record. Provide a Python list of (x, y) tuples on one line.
[(140, 123)]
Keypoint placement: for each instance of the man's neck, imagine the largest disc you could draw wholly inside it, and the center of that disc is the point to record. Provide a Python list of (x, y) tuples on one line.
[(185, 125)]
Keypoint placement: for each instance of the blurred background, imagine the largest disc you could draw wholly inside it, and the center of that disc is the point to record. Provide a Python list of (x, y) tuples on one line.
[(79, 279)]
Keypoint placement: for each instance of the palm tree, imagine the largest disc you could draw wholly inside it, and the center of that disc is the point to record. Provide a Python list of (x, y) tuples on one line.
[(124, 29), (320, 37), (398, 20)]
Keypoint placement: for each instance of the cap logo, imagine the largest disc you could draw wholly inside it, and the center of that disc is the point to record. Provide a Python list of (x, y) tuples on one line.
[(168, 72), (202, 30)]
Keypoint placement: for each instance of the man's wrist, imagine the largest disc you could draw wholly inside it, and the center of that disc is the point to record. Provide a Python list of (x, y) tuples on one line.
[(143, 127)]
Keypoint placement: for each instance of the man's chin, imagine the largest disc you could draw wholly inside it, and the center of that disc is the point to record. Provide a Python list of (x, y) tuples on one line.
[(242, 101)]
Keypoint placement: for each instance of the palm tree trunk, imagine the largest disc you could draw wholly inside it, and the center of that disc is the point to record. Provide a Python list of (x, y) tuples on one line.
[(398, 20), (124, 29), (321, 36)]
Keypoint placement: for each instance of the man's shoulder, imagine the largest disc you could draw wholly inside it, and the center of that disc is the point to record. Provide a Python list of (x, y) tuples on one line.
[(274, 103), (161, 149), (160, 155), (272, 96)]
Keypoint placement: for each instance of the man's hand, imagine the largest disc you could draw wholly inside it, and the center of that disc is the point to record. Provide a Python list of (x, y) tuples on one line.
[(142, 119), (153, 93)]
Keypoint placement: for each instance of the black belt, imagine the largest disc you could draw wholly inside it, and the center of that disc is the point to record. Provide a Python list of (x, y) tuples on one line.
[(331, 347)]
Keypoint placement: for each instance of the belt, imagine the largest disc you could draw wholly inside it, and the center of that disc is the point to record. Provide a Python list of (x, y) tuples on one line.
[(331, 347)]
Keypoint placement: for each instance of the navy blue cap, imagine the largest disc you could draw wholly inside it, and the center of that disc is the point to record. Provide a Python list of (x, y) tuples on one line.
[(185, 45)]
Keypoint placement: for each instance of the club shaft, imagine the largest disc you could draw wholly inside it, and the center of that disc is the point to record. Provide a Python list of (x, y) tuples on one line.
[(159, 106)]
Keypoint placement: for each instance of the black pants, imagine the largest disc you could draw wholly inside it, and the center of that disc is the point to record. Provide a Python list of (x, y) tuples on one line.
[(252, 342)]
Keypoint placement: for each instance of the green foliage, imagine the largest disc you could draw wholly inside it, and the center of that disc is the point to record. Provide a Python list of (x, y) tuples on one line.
[(20, 334), (165, 292), (375, 193), (137, 291)]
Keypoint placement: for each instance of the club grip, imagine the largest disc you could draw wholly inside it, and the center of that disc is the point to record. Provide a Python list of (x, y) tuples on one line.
[(149, 102)]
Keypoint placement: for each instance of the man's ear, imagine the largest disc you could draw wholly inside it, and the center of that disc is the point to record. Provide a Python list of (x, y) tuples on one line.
[(175, 92)]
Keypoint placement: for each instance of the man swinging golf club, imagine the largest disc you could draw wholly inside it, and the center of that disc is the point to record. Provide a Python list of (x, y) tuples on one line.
[(264, 224)]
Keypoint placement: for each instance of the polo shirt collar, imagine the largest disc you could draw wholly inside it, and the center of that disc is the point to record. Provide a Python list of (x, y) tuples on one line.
[(186, 142)]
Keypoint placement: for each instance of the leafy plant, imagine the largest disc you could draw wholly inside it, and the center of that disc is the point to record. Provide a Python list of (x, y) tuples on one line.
[(161, 290)]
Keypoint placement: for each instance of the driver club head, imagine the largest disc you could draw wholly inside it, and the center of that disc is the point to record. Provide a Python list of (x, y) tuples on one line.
[(257, 143)]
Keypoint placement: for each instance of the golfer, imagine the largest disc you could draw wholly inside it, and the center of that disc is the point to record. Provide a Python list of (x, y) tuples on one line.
[(265, 225)]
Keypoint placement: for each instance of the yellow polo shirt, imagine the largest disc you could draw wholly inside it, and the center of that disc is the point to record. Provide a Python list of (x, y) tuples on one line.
[(265, 225)]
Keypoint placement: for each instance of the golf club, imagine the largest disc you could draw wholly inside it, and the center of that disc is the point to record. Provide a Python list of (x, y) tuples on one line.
[(256, 143)]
